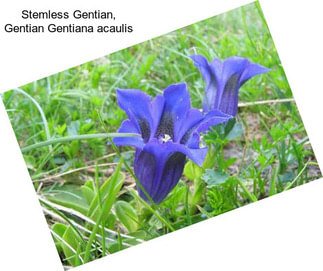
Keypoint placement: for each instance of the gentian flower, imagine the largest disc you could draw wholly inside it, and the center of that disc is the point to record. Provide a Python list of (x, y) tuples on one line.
[(223, 80), (168, 130)]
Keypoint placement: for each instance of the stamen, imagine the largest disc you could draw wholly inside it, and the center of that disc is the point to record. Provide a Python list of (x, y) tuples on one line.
[(165, 138)]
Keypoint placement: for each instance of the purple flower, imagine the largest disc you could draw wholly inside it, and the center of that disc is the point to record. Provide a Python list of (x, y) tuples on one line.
[(223, 80), (169, 131)]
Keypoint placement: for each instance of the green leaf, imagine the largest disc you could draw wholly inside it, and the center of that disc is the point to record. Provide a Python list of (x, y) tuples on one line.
[(235, 132), (70, 196), (59, 229), (272, 186), (127, 215), (230, 161), (209, 160), (73, 240), (228, 126), (108, 191), (60, 129), (87, 193), (73, 128), (140, 234), (214, 177), (197, 194), (111, 221), (100, 212), (115, 247), (175, 199), (89, 184), (287, 177), (277, 132), (192, 171)]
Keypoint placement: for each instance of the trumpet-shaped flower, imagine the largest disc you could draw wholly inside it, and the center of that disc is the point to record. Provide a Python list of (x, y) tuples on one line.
[(223, 80), (168, 130)]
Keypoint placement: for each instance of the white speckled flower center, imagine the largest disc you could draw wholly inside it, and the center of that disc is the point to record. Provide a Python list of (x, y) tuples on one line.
[(165, 138)]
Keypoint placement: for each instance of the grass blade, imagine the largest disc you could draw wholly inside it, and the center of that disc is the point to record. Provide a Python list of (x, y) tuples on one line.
[(72, 138), (106, 207), (42, 114)]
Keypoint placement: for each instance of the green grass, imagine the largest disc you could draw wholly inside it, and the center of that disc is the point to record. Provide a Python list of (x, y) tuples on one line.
[(265, 153)]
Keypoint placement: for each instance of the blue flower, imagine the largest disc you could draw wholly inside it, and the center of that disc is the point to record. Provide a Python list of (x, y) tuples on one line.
[(223, 80), (169, 131)]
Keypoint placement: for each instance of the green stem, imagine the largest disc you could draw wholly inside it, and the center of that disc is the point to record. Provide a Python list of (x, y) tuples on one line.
[(71, 138), (163, 220), (299, 174), (251, 196), (187, 209), (98, 191)]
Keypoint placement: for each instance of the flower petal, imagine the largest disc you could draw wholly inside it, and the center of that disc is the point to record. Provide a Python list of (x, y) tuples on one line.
[(217, 66), (163, 150), (193, 117), (135, 141), (172, 172), (212, 75), (157, 108), (236, 71), (159, 166), (145, 170), (212, 118), (196, 155), (203, 65), (223, 80), (171, 159), (193, 141), (137, 105), (233, 65), (177, 103), (228, 103), (158, 179), (251, 71), (227, 96)]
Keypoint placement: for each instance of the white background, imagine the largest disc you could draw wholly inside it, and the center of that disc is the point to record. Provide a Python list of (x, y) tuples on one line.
[(283, 232)]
